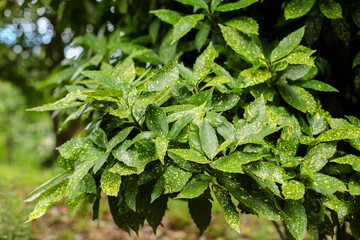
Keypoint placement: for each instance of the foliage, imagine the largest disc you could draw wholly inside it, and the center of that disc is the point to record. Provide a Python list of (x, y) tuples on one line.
[(201, 106)]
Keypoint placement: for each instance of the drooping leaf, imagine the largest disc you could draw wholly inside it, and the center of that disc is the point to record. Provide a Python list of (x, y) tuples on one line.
[(156, 212), (293, 190), (156, 120), (298, 8), (190, 155), (208, 139), (297, 222), (244, 24), (287, 45), (330, 9), (47, 199), (158, 189), (110, 183), (195, 187), (231, 215), (166, 15), (200, 211), (175, 179), (298, 98), (184, 25), (242, 45), (233, 163), (235, 6)]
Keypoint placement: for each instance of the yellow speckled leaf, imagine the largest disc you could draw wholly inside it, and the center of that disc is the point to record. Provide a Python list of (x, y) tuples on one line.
[(110, 183), (298, 8), (330, 9), (296, 224), (235, 6), (293, 190), (254, 76), (166, 15), (244, 24), (184, 25), (298, 98), (47, 199)]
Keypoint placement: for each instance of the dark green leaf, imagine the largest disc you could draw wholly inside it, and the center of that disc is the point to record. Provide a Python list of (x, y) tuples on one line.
[(129, 188), (231, 215), (200, 211), (156, 212), (190, 155), (99, 137), (118, 138), (326, 184), (202, 37), (158, 189), (330, 9), (354, 184), (296, 224), (167, 51)]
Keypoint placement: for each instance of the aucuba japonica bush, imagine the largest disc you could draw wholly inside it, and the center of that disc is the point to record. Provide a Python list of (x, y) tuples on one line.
[(204, 108)]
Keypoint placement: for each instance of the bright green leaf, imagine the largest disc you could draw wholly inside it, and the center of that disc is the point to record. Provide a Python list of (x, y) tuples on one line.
[(244, 24), (184, 25), (175, 179), (156, 120), (208, 139), (195, 3), (298, 8), (195, 187), (110, 183), (166, 15), (190, 155), (235, 6), (254, 76), (330, 9), (161, 145), (163, 78), (316, 85), (293, 190), (298, 98), (297, 222)]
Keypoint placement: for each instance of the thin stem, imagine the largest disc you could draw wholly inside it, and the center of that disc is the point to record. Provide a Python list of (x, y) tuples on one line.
[(279, 231)]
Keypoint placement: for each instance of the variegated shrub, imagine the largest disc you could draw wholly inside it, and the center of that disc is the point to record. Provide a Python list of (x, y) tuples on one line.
[(239, 123)]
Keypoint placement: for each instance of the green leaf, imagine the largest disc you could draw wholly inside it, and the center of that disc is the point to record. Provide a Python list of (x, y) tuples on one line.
[(301, 56), (295, 72), (158, 189), (233, 163), (98, 137), (178, 126), (246, 191), (244, 24), (118, 138), (356, 60), (104, 79), (326, 184), (184, 25), (202, 36), (287, 45), (166, 15), (318, 156), (330, 9), (187, 75), (130, 190), (110, 183), (66, 102), (223, 126), (175, 179), (203, 64), (297, 221), (47, 199), (125, 70), (354, 184), (122, 170), (340, 133), (190, 155), (200, 211), (293, 190), (155, 119), (195, 3), (72, 147), (167, 51), (318, 123), (265, 90), (224, 102), (340, 206), (298, 8), (88, 157), (352, 160), (242, 45), (269, 171), (254, 76), (298, 98), (100, 162), (208, 139), (195, 187), (235, 6), (161, 145), (156, 212), (316, 85), (231, 215), (163, 78)]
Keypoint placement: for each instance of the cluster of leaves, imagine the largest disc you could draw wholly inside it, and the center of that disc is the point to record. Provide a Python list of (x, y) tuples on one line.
[(239, 124)]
